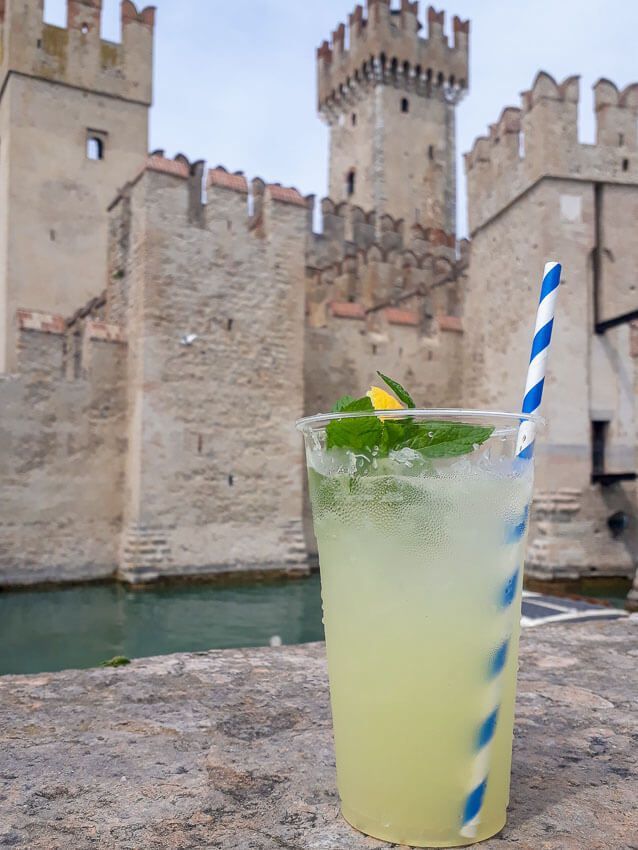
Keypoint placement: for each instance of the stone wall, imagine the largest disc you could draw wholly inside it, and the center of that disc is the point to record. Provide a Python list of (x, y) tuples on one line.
[(60, 88), (533, 200), (62, 449), (212, 300), (541, 138), (382, 296)]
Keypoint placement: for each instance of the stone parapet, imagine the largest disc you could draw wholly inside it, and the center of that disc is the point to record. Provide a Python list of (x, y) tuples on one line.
[(234, 749), (540, 139), (75, 55)]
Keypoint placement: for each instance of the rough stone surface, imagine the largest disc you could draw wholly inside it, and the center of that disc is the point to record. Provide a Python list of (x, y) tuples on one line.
[(534, 195), (233, 749), (62, 458), (61, 87)]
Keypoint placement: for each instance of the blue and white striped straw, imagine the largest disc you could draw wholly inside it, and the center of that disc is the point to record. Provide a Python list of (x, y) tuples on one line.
[(538, 358), (471, 815)]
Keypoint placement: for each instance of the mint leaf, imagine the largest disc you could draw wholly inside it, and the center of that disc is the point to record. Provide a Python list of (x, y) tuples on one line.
[(400, 392), (396, 434), (343, 402), (361, 433), (446, 439)]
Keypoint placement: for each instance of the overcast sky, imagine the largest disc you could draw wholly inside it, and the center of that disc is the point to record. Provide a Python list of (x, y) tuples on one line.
[(235, 81)]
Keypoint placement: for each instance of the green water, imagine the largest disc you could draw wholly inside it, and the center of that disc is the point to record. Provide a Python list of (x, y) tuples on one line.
[(48, 630)]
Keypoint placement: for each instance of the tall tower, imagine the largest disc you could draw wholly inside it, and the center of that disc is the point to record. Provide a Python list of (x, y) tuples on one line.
[(73, 129), (389, 97)]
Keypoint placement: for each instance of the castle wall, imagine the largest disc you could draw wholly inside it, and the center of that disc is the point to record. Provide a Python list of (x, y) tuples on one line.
[(214, 476), (517, 227), (344, 354), (61, 454), (60, 88)]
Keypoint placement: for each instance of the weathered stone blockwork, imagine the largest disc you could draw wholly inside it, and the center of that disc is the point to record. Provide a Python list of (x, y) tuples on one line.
[(212, 305), (62, 452), (536, 194), (60, 87), (377, 298)]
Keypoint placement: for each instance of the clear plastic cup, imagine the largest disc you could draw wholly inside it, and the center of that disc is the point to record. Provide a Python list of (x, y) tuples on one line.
[(421, 564)]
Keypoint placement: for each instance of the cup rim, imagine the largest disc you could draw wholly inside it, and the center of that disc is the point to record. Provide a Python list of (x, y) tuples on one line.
[(308, 423)]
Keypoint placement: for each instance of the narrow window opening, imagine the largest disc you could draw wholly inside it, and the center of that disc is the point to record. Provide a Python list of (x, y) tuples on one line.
[(405, 104), (84, 29), (621, 139), (625, 165), (598, 440), (94, 148), (39, 42), (52, 235), (231, 480), (374, 349), (430, 152), (350, 182), (229, 325), (77, 356), (353, 119), (521, 146), (200, 444)]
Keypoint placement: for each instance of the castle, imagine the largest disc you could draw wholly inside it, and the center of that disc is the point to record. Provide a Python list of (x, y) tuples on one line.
[(162, 324)]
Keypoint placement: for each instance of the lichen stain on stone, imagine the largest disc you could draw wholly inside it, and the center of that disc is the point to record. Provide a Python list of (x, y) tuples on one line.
[(252, 727), (109, 54), (55, 42)]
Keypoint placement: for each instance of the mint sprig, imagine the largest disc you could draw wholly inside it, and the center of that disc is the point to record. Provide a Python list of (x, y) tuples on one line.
[(400, 392), (446, 439), (378, 436), (359, 434)]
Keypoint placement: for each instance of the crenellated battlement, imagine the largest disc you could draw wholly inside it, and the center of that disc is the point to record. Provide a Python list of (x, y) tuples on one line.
[(219, 179), (75, 54), (372, 268), (540, 139), (348, 229), (616, 113), (385, 46)]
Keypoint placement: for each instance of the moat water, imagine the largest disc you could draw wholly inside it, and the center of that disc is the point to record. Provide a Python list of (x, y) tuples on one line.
[(55, 629), (48, 630)]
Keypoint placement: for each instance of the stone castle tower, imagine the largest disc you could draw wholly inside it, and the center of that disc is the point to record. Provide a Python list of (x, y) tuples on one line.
[(73, 129), (535, 192), (389, 95), (162, 323)]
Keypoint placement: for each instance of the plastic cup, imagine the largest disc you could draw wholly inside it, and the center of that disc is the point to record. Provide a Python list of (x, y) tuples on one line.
[(421, 563)]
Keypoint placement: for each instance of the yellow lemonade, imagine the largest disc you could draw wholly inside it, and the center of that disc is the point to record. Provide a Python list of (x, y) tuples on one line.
[(421, 573)]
